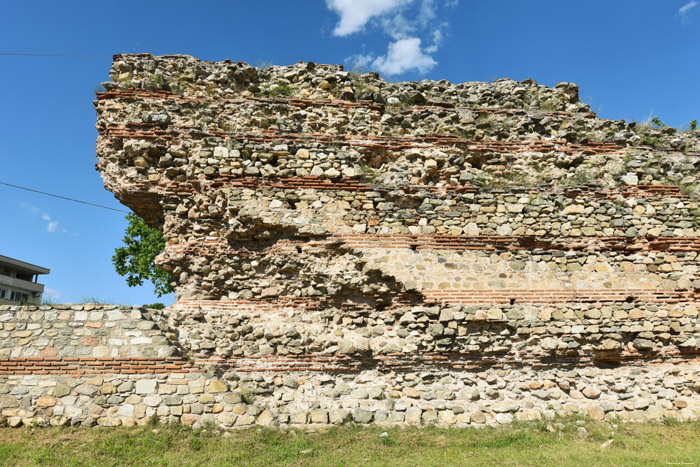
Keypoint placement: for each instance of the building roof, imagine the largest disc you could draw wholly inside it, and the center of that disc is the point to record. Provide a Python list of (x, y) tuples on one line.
[(22, 266)]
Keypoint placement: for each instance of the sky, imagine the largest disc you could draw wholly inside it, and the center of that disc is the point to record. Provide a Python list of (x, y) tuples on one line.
[(631, 58)]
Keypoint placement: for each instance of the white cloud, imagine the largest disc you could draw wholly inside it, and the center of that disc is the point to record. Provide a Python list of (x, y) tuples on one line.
[(354, 14), (51, 225), (404, 55), (28, 206), (398, 26), (437, 39), (686, 8), (414, 26), (427, 13)]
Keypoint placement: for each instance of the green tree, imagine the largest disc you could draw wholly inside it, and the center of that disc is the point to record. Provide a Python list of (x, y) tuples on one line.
[(135, 259)]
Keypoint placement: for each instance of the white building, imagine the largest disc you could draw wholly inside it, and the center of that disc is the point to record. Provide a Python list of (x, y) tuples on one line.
[(18, 281)]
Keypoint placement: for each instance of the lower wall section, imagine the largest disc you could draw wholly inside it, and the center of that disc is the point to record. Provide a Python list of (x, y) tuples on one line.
[(106, 365), (447, 398)]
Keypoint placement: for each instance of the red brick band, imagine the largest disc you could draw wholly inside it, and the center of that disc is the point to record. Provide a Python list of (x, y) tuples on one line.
[(145, 188), (87, 365), (513, 296), (514, 242), (153, 131), (623, 245), (338, 362), (446, 360), (459, 296), (282, 302)]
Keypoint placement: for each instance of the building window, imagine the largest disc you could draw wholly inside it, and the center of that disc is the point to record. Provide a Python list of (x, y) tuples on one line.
[(3, 292), (16, 296)]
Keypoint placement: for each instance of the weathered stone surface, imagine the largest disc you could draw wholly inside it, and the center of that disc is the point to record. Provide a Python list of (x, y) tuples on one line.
[(146, 386), (361, 416), (339, 416), (319, 416), (46, 401), (216, 386), (478, 418)]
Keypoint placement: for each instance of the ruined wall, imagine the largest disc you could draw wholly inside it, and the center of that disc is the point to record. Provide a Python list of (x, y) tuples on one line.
[(344, 243)]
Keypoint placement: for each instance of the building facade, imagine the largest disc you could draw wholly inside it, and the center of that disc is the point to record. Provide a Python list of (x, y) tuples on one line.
[(18, 281)]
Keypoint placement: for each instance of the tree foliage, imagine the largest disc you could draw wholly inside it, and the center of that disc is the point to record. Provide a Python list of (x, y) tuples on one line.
[(135, 259)]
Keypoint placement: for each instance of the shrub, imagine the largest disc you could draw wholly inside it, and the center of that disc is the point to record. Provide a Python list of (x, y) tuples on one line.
[(652, 141), (657, 122), (135, 260)]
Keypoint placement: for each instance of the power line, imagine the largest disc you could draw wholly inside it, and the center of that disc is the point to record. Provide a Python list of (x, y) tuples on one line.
[(54, 55), (63, 197)]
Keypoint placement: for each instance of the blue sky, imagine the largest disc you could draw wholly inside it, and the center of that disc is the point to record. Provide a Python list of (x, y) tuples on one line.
[(632, 59)]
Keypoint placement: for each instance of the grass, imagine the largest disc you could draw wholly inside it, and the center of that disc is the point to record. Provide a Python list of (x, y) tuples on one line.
[(404, 102), (282, 89), (264, 64), (539, 443), (91, 299), (368, 174), (357, 71), (48, 301)]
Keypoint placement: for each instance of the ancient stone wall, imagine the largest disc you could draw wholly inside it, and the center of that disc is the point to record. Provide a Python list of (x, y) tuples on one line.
[(406, 252)]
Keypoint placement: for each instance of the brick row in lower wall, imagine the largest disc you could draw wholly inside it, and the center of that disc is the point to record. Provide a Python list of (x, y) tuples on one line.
[(81, 366), (344, 363)]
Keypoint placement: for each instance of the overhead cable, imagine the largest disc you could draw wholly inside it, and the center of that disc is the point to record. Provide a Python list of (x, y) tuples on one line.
[(54, 55), (63, 197)]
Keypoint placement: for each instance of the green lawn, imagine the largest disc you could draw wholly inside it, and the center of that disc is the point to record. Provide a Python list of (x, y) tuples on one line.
[(558, 443)]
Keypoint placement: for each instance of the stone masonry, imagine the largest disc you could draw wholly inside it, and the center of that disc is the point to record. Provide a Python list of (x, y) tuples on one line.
[(106, 365), (348, 249)]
